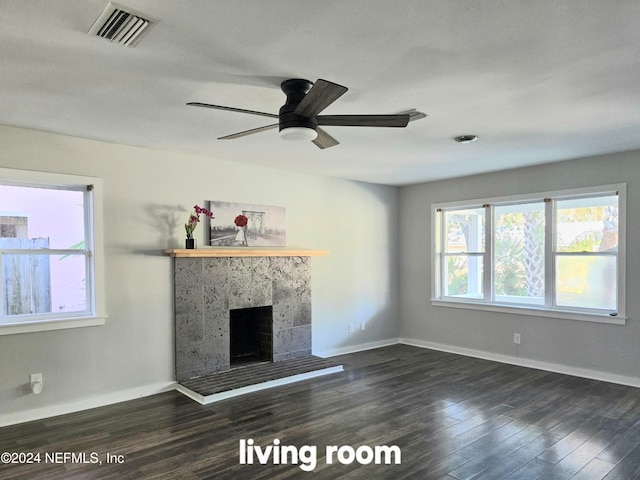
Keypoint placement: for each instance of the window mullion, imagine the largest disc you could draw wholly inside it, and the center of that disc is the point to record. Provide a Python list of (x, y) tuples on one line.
[(441, 238), (437, 257), (549, 252), (487, 285), (621, 253), (89, 246), (443, 257), (44, 251)]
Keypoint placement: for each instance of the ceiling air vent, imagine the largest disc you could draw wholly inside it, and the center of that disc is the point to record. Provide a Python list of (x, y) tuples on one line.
[(122, 25)]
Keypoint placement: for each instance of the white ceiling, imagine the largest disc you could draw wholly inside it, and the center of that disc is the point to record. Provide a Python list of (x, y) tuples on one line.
[(538, 81)]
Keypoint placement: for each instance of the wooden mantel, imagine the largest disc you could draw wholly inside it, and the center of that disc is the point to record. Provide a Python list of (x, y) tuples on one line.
[(243, 252)]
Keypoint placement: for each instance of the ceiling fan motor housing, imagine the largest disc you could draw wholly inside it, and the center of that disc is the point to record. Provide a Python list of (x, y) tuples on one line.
[(295, 90)]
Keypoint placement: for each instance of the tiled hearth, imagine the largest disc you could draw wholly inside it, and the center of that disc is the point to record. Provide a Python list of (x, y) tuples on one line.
[(209, 286), (223, 385)]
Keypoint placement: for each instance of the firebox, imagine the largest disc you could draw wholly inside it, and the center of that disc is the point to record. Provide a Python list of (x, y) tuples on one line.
[(251, 335)]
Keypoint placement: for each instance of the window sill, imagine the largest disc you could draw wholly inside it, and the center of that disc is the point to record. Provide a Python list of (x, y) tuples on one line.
[(46, 325), (536, 312)]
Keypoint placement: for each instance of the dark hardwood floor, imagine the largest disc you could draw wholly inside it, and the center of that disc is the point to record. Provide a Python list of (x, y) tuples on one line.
[(452, 417)]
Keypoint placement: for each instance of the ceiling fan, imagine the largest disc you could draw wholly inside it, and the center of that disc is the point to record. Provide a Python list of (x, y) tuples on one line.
[(299, 117)]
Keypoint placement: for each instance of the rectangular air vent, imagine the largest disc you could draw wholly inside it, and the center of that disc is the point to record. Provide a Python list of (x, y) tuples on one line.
[(122, 25)]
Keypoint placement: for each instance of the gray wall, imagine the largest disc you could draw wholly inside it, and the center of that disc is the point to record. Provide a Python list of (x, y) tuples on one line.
[(581, 345), (147, 197)]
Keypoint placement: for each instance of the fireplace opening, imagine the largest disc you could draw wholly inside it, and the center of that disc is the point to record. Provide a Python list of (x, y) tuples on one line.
[(251, 335)]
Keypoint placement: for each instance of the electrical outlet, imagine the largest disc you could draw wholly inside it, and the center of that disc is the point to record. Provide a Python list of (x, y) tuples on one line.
[(363, 326), (350, 328), (35, 380), (517, 338)]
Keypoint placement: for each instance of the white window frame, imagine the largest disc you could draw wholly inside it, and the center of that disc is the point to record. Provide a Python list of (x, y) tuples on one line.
[(95, 313), (550, 310)]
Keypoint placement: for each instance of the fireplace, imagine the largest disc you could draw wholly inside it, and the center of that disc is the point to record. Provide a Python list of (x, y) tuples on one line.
[(250, 335), (209, 289)]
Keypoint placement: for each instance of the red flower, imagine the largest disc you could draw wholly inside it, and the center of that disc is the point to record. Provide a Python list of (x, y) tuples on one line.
[(241, 221)]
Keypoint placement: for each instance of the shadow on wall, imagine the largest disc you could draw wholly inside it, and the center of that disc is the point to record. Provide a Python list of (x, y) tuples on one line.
[(166, 220)]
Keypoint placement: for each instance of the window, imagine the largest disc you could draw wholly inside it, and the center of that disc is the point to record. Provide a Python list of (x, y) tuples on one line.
[(50, 268), (464, 253), (555, 254)]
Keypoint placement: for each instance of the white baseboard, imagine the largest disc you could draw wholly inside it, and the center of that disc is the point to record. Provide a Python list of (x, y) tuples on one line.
[(85, 404), (526, 362), (333, 352)]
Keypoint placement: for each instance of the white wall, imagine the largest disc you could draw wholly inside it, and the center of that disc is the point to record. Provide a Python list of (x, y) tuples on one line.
[(147, 197), (607, 351)]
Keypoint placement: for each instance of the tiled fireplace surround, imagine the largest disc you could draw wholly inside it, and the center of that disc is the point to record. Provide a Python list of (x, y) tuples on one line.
[(207, 288)]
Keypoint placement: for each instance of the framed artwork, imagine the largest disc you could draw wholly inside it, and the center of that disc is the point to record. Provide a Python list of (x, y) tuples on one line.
[(244, 224)]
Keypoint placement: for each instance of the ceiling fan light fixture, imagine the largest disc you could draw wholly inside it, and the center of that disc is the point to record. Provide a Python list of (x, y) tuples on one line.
[(298, 134)]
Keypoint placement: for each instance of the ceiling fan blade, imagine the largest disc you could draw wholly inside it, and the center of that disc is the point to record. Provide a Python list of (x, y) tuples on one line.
[(249, 132), (364, 120), (324, 140), (231, 109), (322, 94), (414, 114)]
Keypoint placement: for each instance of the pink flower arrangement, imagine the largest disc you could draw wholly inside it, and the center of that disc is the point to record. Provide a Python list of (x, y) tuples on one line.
[(194, 219)]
